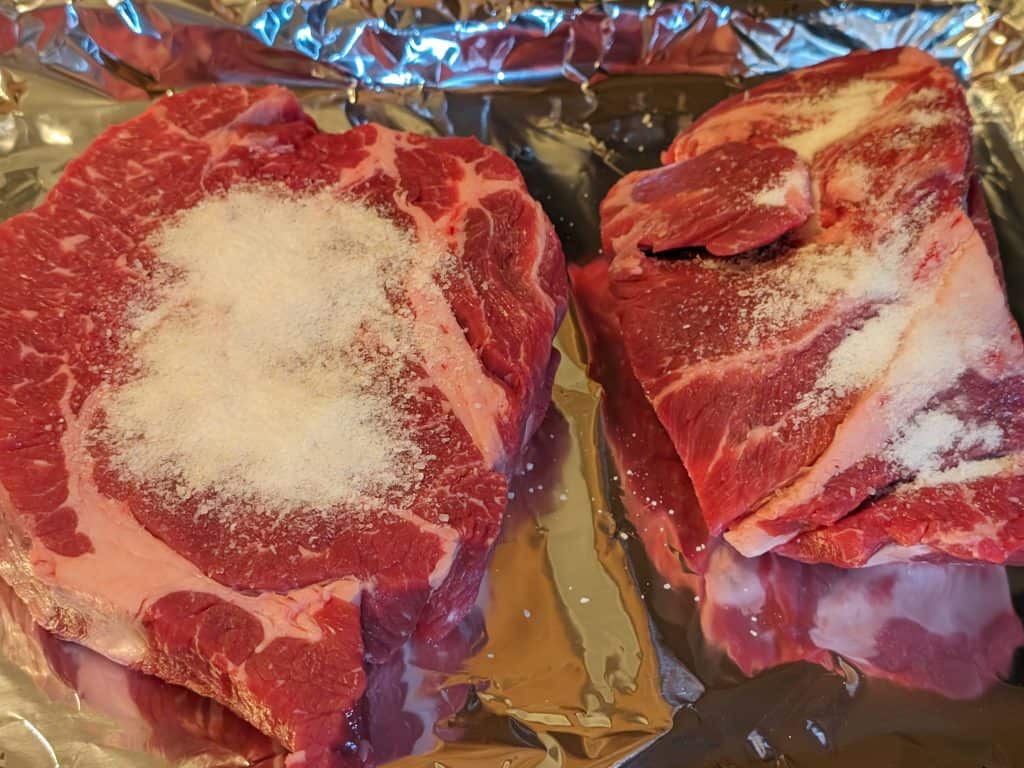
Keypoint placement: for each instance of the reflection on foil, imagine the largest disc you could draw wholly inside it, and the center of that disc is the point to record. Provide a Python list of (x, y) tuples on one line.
[(11, 90), (570, 670), (944, 628), (131, 48), (407, 695)]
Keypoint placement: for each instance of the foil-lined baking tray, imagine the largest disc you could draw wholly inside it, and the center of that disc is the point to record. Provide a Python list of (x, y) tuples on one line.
[(581, 651)]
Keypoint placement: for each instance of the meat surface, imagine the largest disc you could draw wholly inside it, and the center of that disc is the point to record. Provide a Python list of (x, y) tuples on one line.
[(947, 628), (406, 696), (860, 365), (767, 190), (274, 613), (148, 714), (650, 473)]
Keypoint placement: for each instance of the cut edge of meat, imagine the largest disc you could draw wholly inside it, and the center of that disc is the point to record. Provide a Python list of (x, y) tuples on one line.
[(122, 635), (649, 471)]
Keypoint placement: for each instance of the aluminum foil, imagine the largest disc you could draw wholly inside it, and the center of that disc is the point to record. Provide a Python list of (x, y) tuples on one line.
[(581, 651)]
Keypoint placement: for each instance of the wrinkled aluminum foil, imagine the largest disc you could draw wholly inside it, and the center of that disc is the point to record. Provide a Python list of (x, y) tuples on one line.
[(580, 653)]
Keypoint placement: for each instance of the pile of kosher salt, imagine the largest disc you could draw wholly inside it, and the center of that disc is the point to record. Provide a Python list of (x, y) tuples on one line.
[(267, 360)]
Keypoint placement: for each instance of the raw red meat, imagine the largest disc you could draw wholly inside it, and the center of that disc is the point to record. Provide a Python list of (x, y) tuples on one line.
[(870, 348), (975, 519), (946, 628), (405, 696), (649, 471), (149, 714), (275, 621), (767, 193)]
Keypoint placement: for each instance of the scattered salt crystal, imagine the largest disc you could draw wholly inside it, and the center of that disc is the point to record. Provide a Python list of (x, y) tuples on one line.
[(920, 444), (789, 289), (929, 119), (860, 357)]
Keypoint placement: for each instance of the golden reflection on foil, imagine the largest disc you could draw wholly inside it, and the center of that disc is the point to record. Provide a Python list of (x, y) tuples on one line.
[(53, 131), (569, 652), (12, 88)]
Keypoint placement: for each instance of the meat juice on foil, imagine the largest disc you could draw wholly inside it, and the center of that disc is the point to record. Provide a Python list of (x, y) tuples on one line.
[(590, 640)]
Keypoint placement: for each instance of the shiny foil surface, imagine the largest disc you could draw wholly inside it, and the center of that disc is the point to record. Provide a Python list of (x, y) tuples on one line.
[(581, 652)]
